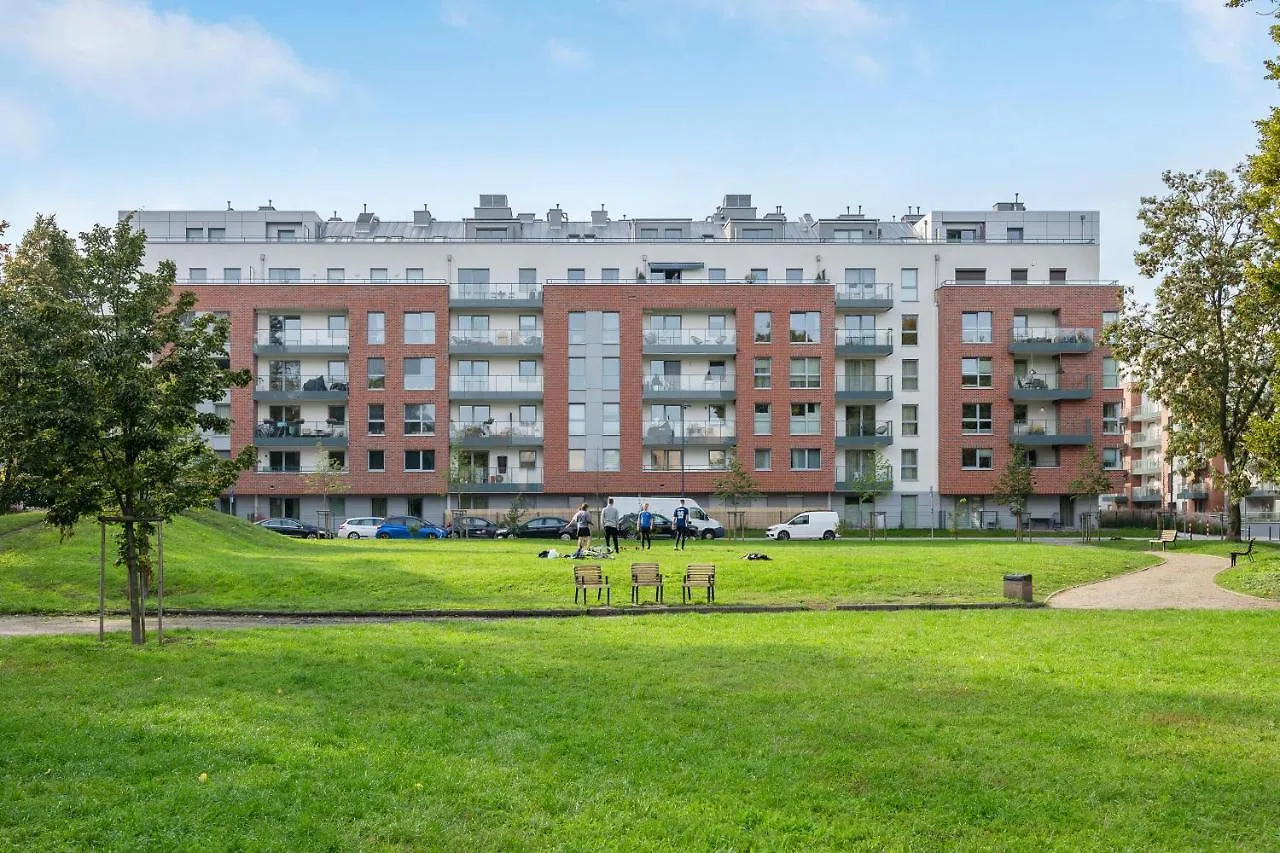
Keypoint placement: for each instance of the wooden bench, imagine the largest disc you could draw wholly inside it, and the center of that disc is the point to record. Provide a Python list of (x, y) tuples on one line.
[(699, 576), (1167, 538), (645, 574), (587, 578), (1247, 552)]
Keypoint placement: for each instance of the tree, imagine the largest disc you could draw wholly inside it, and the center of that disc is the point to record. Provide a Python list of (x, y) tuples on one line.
[(1205, 350), (329, 478), (104, 366), (1016, 486), (735, 487), (1091, 478), (462, 470), (874, 477), (514, 514)]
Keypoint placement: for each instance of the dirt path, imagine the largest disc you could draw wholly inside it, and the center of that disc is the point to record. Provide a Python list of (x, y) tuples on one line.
[(1182, 582)]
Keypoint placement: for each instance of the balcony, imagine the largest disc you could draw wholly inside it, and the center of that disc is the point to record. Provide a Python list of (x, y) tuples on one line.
[(473, 480), (864, 433), (1045, 432), (851, 480), (498, 387), (267, 468), (865, 297), (300, 388), (301, 342), (1149, 438), (651, 468), (1050, 340), (1051, 386), (1146, 496), (689, 434), (1145, 413), (868, 389), (709, 387), (329, 434), (495, 296), (497, 342), (1196, 492), (1146, 467), (493, 433), (864, 342), (690, 341), (1265, 490)]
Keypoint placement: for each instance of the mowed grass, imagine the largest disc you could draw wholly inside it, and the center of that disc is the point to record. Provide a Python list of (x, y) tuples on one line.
[(1024, 730), (217, 562), (18, 520)]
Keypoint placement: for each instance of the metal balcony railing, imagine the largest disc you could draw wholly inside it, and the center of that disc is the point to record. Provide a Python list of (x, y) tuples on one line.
[(1052, 335), (864, 338), (302, 382), (495, 429), (864, 429), (300, 429), (880, 384), (309, 468), (1060, 381), (689, 429), (302, 337)]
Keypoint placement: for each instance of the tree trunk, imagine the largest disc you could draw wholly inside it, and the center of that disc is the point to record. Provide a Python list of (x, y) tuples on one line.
[(137, 628), (1233, 518)]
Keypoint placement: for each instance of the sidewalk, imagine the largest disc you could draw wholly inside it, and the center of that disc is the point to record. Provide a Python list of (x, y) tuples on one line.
[(1182, 582)]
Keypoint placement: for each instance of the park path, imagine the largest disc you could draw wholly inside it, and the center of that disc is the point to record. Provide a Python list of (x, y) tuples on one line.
[(1182, 582)]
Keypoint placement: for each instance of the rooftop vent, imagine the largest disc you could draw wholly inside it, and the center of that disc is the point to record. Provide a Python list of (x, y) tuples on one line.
[(1008, 206), (335, 217), (556, 217), (493, 206), (777, 215), (848, 214), (422, 217), (493, 201), (365, 222), (912, 216), (600, 217), (736, 202), (735, 206), (267, 206), (229, 207), (527, 217)]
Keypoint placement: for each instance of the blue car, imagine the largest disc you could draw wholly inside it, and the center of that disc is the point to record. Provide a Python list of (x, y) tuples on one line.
[(408, 527)]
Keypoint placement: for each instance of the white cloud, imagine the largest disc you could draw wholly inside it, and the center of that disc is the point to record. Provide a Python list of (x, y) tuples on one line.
[(566, 56), (159, 64), (467, 14), (22, 127), (1219, 34), (840, 18)]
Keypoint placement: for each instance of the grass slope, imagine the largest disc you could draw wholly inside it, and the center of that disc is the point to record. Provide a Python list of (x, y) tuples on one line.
[(960, 730), (213, 561)]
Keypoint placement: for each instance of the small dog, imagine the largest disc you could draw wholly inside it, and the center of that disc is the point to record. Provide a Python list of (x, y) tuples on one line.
[(755, 556)]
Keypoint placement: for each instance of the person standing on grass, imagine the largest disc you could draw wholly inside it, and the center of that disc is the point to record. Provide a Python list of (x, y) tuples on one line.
[(610, 520), (580, 524), (645, 524), (680, 515)]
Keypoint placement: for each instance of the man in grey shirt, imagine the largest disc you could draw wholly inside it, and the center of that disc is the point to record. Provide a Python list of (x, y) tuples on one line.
[(610, 519)]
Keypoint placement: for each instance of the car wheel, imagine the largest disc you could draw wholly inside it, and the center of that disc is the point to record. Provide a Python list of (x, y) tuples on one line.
[(313, 535), (783, 536), (353, 535), (384, 535), (707, 534), (828, 535), (565, 537)]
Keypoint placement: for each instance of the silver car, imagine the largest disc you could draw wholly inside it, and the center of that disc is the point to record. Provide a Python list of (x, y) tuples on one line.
[(359, 528)]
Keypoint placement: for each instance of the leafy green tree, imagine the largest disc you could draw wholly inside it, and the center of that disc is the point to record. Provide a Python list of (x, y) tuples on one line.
[(873, 478), (328, 479), (1205, 349), (515, 513), (735, 487), (1091, 478), (1016, 485), (104, 365)]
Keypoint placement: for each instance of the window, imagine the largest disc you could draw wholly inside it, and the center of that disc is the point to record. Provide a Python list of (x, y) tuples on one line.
[(805, 327), (975, 418), (419, 327), (1109, 317), (977, 458), (715, 274), (975, 373), (611, 460), (378, 506), (672, 233), (609, 274), (762, 373), (217, 235), (910, 420), (231, 275), (378, 274), (763, 419), (1110, 376), (910, 465), (197, 275), (195, 234), (806, 419), (806, 373), (1111, 419), (578, 374), (419, 460), (1013, 235), (577, 419), (335, 274), (764, 327), (910, 374), (610, 371), (1111, 458), (528, 459), (976, 327), (491, 234), (648, 233), (962, 235), (806, 459), (610, 324), (911, 285), (612, 419), (287, 235), (1018, 275), (758, 274), (377, 328), (377, 419), (577, 327), (413, 274), (795, 275), (764, 459), (419, 374), (528, 275), (848, 235), (1058, 275), (577, 274), (377, 460), (419, 419), (577, 460), (971, 276), (377, 372), (527, 368), (910, 330), (284, 274)]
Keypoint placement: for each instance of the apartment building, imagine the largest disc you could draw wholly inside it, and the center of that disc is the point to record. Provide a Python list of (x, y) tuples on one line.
[(561, 359)]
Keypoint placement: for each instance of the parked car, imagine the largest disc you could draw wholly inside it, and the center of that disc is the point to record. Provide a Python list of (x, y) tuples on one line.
[(473, 527), (817, 524), (662, 526), (360, 528), (542, 527), (408, 527), (293, 527)]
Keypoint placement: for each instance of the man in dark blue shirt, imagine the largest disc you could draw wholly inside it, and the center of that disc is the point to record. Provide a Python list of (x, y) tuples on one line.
[(680, 516)]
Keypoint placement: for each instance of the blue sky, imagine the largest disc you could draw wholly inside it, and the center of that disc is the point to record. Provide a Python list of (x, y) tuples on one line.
[(649, 106)]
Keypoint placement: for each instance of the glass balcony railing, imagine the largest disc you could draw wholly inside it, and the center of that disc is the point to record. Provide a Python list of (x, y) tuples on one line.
[(690, 337), (497, 292), (882, 384), (302, 337), (1051, 381), (712, 383), (495, 429), (288, 468), (497, 384), (477, 475), (864, 337), (674, 431), (301, 382), (268, 428), (496, 337), (864, 429), (877, 292), (1052, 335)]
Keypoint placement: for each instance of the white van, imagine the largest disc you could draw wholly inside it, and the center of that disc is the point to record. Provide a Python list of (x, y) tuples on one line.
[(705, 526), (817, 524)]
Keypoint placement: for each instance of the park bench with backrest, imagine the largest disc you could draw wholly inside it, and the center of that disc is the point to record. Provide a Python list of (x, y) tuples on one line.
[(1247, 552), (1166, 538), (645, 574), (587, 578), (699, 576)]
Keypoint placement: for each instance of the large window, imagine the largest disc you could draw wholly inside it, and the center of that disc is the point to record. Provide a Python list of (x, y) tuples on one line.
[(419, 419), (910, 420), (419, 374), (419, 460), (975, 418), (975, 327), (577, 327), (377, 460), (609, 327), (764, 327), (611, 460), (910, 374), (910, 465), (764, 459), (612, 419), (577, 419), (806, 373), (377, 328), (1110, 375), (911, 285), (577, 460), (910, 330), (610, 369), (763, 424), (806, 419), (1111, 423), (377, 373), (806, 327), (578, 374), (977, 459), (762, 373), (806, 459), (1111, 458), (377, 419), (975, 373), (419, 327)]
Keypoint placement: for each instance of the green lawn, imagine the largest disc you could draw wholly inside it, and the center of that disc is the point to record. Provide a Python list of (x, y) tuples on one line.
[(216, 562), (1023, 729), (19, 520)]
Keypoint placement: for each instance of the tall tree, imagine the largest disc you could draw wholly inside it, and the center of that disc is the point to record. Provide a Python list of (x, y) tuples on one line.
[(1016, 485), (104, 366), (736, 486), (1205, 349)]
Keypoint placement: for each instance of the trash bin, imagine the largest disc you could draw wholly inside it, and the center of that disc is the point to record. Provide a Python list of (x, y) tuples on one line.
[(1017, 586)]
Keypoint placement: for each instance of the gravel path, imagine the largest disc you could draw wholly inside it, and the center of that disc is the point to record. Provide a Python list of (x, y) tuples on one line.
[(1182, 582)]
